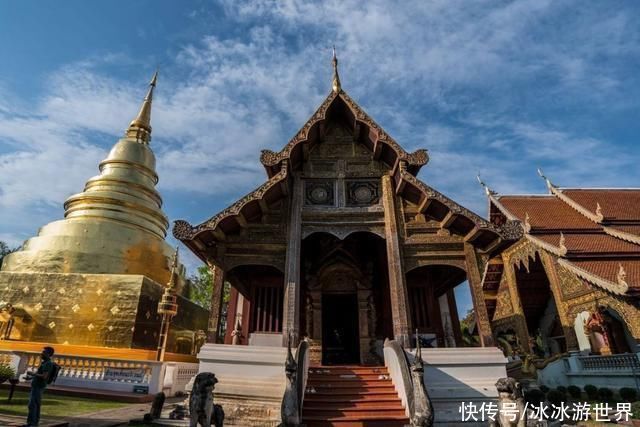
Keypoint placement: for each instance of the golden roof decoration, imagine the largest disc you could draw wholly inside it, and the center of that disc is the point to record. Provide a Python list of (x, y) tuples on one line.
[(140, 127), (336, 77)]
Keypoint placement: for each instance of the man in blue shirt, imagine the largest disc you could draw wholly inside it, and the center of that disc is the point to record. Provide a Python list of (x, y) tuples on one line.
[(39, 380)]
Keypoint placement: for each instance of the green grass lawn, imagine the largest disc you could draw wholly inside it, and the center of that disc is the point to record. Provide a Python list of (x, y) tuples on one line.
[(54, 405)]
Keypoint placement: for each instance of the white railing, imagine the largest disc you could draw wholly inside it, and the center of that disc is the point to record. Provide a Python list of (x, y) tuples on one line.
[(110, 374), (614, 362), (177, 376)]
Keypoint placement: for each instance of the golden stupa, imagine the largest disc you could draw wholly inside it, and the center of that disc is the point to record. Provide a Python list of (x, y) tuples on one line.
[(95, 277)]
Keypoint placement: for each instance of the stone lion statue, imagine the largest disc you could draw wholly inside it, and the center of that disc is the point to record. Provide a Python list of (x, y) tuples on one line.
[(510, 392), (201, 408)]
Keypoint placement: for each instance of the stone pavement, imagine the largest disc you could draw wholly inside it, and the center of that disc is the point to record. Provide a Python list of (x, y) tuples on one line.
[(15, 421), (110, 417), (104, 418)]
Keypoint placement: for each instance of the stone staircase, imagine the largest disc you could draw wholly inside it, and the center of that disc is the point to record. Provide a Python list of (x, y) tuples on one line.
[(352, 396)]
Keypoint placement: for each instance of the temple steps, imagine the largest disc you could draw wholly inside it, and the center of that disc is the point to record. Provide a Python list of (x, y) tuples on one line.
[(352, 396)]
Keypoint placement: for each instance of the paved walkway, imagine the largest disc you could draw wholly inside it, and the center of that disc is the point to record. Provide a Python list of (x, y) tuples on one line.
[(110, 417), (105, 418), (14, 421)]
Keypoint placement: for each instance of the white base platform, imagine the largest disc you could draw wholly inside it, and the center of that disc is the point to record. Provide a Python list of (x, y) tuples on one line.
[(251, 381), (465, 374)]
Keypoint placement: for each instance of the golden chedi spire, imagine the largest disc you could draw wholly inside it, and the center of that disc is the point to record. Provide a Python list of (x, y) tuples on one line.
[(140, 127), (116, 225), (336, 77)]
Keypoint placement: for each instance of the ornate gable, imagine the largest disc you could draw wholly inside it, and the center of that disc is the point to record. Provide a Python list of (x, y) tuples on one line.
[(342, 152)]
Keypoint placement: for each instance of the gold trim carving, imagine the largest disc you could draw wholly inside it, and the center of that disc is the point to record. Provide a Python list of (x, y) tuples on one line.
[(182, 230), (511, 230), (270, 158)]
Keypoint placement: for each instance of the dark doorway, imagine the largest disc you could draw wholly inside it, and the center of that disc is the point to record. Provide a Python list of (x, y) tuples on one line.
[(340, 329)]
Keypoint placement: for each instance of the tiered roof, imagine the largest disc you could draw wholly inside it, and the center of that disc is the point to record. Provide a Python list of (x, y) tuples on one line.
[(403, 165), (594, 232)]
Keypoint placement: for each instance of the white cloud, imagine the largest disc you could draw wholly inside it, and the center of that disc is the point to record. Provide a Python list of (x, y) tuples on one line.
[(488, 86)]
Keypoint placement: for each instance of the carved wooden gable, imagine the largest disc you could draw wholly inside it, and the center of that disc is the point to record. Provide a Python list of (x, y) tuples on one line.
[(340, 171)]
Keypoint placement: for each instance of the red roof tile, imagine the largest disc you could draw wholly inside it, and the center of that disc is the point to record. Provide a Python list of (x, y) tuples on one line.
[(616, 204), (547, 212), (608, 270), (590, 243)]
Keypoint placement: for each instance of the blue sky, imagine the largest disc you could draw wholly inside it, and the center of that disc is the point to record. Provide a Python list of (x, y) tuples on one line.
[(497, 87)]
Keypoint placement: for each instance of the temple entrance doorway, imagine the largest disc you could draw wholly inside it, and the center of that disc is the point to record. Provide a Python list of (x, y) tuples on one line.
[(345, 294), (340, 329)]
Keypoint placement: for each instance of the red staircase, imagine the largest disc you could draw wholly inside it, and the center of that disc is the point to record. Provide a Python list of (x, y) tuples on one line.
[(351, 396)]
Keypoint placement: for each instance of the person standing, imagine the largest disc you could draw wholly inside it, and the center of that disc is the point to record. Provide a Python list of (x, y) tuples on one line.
[(39, 381)]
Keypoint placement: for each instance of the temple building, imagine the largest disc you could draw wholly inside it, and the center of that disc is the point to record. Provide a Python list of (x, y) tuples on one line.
[(91, 282), (344, 245), (571, 283)]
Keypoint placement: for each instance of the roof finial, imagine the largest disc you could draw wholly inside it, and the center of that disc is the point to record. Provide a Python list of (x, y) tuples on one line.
[(550, 185), (599, 211), (487, 190), (527, 223), (621, 277), (140, 127), (562, 243), (336, 78)]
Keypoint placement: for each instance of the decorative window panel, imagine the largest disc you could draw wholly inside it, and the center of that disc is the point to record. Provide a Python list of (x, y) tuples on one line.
[(319, 193), (362, 193)]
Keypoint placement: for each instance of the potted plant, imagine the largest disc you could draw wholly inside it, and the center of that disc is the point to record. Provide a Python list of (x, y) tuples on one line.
[(6, 372)]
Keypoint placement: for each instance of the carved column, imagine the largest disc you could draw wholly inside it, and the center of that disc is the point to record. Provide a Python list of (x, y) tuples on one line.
[(397, 282), (479, 306), (455, 320), (548, 263), (519, 320), (291, 312), (216, 304)]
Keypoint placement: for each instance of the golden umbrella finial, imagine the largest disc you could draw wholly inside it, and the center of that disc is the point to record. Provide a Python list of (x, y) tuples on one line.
[(336, 78), (140, 127)]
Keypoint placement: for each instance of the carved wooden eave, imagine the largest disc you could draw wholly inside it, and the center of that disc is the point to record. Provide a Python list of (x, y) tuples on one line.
[(237, 215), (491, 278), (366, 131), (476, 230), (618, 288), (559, 250)]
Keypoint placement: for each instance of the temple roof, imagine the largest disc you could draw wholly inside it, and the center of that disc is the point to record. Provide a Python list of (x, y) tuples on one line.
[(403, 167), (368, 132), (594, 232)]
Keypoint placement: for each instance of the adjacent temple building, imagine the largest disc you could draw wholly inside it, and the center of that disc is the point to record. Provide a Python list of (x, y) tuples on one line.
[(572, 282), (91, 282)]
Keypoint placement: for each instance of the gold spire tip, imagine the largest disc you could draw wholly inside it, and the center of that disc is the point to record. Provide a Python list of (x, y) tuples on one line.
[(336, 77), (140, 127)]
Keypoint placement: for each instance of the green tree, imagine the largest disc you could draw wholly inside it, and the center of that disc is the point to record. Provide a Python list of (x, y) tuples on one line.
[(201, 288), (468, 328), (5, 250)]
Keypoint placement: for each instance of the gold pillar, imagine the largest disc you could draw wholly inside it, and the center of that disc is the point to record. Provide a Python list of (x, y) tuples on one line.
[(291, 312), (518, 311), (548, 263), (397, 280), (217, 295), (480, 308)]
